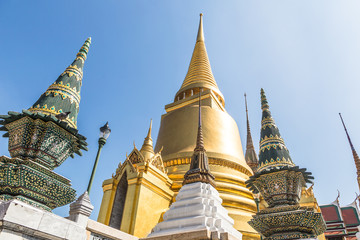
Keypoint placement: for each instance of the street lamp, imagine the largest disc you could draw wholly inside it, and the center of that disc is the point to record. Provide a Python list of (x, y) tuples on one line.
[(104, 134)]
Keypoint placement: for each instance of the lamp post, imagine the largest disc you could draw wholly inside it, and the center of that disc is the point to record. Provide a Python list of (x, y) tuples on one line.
[(104, 134)]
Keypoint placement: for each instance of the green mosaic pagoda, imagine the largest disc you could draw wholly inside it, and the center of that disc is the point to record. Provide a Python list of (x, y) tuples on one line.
[(41, 139), (279, 181)]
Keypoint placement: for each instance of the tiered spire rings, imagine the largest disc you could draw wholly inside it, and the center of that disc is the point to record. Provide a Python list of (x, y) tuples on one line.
[(273, 151), (64, 94), (199, 74), (280, 181)]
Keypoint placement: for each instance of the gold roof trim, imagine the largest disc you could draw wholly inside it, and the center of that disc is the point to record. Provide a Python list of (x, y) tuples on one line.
[(212, 161), (52, 111)]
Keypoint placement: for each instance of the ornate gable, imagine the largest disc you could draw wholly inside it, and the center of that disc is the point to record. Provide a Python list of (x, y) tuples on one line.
[(122, 168), (157, 162), (135, 157)]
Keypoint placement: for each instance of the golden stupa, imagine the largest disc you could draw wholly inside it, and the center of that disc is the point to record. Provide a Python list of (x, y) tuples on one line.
[(152, 185), (177, 136)]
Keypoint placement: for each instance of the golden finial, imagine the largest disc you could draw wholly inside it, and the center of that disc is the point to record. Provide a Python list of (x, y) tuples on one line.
[(149, 132), (338, 196), (147, 148), (200, 36)]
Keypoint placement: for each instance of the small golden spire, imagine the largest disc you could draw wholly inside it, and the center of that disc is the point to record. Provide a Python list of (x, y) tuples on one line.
[(147, 148), (200, 35), (149, 132)]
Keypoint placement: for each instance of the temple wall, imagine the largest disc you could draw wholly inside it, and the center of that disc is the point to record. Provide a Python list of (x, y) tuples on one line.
[(21, 221)]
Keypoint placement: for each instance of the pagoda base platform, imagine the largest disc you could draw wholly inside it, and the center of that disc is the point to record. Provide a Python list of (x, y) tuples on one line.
[(288, 222), (197, 209), (195, 235), (30, 182)]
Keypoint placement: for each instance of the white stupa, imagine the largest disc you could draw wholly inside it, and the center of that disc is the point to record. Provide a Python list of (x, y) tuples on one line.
[(198, 204)]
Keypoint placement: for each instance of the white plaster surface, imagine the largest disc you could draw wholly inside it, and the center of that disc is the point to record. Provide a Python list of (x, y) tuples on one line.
[(8, 235), (81, 209), (20, 220), (198, 206), (108, 232)]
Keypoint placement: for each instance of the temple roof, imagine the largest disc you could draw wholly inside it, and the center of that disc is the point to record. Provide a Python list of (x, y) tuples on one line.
[(331, 213), (64, 94), (273, 152), (341, 221), (199, 74), (351, 216), (250, 154), (199, 166)]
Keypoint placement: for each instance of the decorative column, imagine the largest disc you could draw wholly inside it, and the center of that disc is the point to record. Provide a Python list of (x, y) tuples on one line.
[(41, 139), (280, 182), (81, 209)]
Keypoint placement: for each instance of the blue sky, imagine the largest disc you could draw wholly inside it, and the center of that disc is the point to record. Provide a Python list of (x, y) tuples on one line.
[(305, 54)]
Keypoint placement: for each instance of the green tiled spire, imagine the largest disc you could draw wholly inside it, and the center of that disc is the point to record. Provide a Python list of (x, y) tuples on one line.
[(273, 152), (64, 94)]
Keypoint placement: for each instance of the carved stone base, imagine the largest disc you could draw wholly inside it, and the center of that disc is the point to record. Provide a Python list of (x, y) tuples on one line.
[(288, 222), (34, 184)]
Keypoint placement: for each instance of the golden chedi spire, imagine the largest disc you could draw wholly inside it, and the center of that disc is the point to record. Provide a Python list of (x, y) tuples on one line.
[(147, 148), (199, 74), (220, 133)]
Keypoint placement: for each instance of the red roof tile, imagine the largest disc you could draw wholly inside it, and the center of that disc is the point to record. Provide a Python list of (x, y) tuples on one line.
[(350, 216), (330, 213)]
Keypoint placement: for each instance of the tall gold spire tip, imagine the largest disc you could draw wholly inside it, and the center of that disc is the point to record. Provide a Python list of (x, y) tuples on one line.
[(200, 36), (150, 128)]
